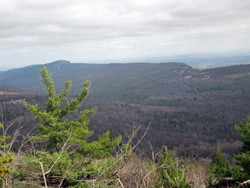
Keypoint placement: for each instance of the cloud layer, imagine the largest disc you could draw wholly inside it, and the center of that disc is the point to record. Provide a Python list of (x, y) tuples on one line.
[(38, 31)]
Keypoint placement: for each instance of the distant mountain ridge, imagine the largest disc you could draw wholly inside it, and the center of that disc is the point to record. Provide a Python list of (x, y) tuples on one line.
[(29, 77), (205, 61), (126, 82)]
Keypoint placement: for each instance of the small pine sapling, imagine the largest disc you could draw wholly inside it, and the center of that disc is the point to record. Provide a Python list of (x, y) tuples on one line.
[(56, 128), (242, 170), (219, 166), (171, 175), (5, 158)]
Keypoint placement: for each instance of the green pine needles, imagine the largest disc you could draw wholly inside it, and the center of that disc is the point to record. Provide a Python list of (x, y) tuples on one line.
[(219, 165), (240, 173), (57, 130), (242, 170), (5, 158), (171, 174)]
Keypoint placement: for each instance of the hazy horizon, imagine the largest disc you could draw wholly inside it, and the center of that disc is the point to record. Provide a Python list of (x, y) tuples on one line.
[(200, 61)]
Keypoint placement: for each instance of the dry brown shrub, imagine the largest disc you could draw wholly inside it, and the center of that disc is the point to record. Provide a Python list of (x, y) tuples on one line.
[(139, 172), (197, 173)]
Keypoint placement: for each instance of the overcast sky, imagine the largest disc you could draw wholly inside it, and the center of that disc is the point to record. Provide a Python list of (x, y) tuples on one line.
[(41, 31)]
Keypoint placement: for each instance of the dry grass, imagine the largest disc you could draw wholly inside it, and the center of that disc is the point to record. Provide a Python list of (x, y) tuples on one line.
[(138, 172), (197, 173)]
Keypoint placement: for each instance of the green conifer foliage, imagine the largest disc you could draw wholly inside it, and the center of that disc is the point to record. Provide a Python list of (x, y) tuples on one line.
[(243, 160), (54, 126), (103, 147), (5, 158), (219, 165), (171, 175)]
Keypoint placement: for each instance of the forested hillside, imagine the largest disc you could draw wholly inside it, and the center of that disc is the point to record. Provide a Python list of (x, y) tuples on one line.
[(191, 111)]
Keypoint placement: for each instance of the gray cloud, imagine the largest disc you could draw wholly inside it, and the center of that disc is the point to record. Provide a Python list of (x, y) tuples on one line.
[(112, 29)]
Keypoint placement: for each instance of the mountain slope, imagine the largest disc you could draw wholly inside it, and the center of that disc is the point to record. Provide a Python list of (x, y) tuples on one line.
[(191, 111), (135, 82), (124, 78)]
